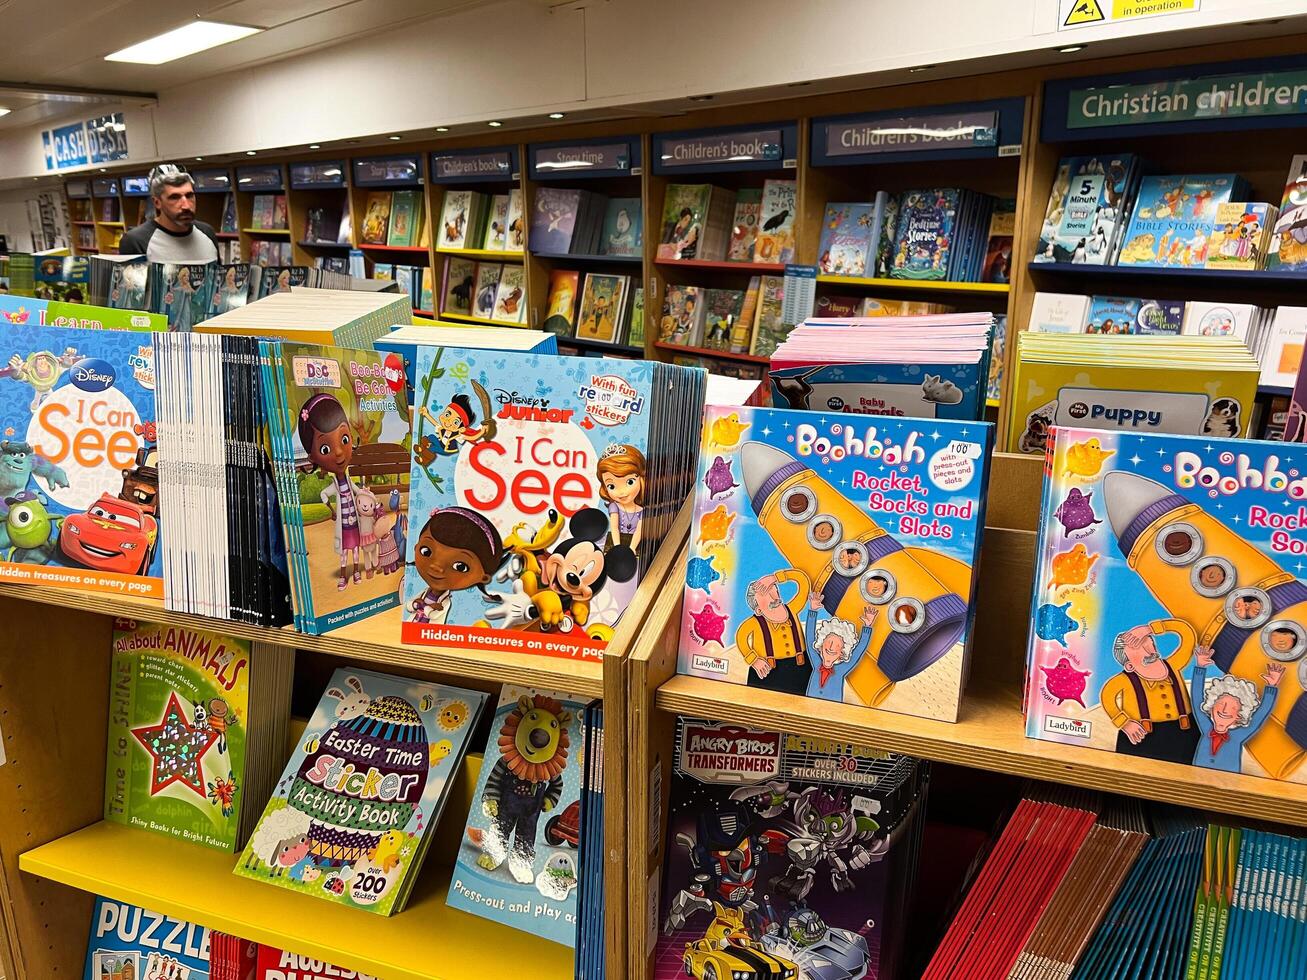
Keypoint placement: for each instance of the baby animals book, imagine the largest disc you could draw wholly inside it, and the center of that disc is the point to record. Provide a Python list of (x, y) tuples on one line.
[(352, 816), (1169, 619), (833, 556), (517, 863)]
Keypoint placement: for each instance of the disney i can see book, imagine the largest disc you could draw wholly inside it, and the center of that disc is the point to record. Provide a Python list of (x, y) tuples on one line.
[(517, 862), (1169, 619), (352, 816), (131, 943), (786, 857), (78, 411), (833, 556)]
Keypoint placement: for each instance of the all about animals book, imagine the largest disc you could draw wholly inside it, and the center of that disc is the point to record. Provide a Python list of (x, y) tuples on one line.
[(517, 863), (351, 819), (187, 709), (833, 556), (1169, 619)]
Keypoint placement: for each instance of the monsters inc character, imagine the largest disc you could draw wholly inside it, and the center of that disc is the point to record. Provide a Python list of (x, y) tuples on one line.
[(29, 534), (19, 462), (40, 369), (526, 782)]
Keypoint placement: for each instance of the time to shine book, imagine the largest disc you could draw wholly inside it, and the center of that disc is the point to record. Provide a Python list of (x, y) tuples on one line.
[(352, 817)]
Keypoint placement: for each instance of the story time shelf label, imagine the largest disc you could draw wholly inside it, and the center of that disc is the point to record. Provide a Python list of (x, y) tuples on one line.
[(1228, 96), (859, 137), (582, 158), (737, 146)]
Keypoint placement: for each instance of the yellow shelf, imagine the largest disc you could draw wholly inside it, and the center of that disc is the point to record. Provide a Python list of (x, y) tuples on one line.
[(427, 941), (482, 253), (266, 231), (476, 319), (111, 224), (991, 403), (989, 735), (375, 640), (941, 286)]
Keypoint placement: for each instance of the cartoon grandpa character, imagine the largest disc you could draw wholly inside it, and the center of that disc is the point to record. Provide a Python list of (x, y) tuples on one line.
[(836, 652), (1148, 701), (771, 641), (1230, 712)]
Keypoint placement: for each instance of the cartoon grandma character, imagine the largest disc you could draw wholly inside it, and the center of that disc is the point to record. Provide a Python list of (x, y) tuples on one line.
[(836, 648), (1230, 712)]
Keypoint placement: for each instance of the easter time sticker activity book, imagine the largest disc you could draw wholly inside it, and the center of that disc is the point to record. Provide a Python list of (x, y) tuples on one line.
[(1169, 619), (833, 556), (351, 819), (517, 862)]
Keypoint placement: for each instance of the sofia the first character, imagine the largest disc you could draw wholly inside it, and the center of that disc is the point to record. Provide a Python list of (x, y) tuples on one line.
[(324, 432), (621, 472), (456, 549)]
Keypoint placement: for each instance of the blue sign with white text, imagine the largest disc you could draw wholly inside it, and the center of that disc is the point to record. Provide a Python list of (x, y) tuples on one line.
[(65, 146)]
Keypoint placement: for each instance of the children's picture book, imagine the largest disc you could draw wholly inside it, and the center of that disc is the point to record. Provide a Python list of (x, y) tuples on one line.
[(460, 278), (80, 411), (603, 304), (280, 964), (685, 210), (1282, 350), (682, 320), (185, 293), (554, 219), (721, 310), (376, 218), (510, 295), (560, 316), (779, 208), (769, 328), (128, 942), (623, 227), (233, 290), (353, 814), (998, 252), (786, 856), (994, 389), (1202, 319), (405, 218), (340, 444), (1086, 209), (846, 240), (923, 242), (496, 237), (455, 215), (1129, 315), (744, 224), (518, 859), (1173, 217), (834, 556), (1240, 235), (486, 289), (1168, 620), (635, 329), (127, 285), (516, 227), (1287, 251)]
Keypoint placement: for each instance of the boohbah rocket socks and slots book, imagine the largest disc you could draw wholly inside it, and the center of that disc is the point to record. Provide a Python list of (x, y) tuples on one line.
[(834, 556), (1169, 619)]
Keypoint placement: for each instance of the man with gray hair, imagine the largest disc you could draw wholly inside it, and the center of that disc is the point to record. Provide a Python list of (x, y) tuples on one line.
[(173, 235)]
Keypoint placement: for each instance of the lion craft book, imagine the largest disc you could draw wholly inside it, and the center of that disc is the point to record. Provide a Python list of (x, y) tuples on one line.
[(79, 410), (518, 859), (541, 486), (131, 943), (834, 556), (353, 814), (1169, 615)]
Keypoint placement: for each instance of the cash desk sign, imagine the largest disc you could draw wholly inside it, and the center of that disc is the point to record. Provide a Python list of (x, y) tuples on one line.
[(857, 137), (471, 165), (1206, 97), (579, 159), (729, 147)]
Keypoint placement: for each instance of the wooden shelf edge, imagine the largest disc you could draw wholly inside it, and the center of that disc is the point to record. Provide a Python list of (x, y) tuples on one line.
[(938, 285), (482, 253), (989, 735), (760, 267), (709, 352)]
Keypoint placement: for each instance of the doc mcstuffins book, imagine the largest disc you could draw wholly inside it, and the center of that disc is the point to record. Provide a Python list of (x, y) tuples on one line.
[(786, 856), (833, 556), (1169, 617), (131, 943), (352, 817), (78, 407), (541, 486), (518, 859)]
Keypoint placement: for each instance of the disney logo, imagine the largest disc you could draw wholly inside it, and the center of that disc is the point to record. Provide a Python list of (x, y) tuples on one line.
[(503, 397)]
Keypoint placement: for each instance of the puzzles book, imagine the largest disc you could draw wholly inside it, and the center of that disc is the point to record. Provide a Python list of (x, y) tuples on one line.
[(1169, 617), (131, 943), (352, 816), (518, 859), (786, 856), (833, 556)]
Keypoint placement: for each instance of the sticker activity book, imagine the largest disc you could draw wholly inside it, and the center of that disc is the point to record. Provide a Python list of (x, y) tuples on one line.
[(520, 848), (352, 817), (1198, 657), (833, 556)]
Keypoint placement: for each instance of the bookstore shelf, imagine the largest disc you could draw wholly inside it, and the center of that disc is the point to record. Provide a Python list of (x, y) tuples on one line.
[(600, 345), (708, 352), (226, 234), (579, 257), (427, 941), (111, 224), (464, 318), (933, 285), (477, 253), (90, 223), (1234, 278), (426, 313), (753, 267), (410, 249), (266, 231), (343, 246), (374, 640)]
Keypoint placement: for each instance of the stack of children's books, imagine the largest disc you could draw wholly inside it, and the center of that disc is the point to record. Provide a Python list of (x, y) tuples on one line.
[(268, 212), (541, 487), (401, 345), (699, 222), (833, 556), (568, 220), (29, 310), (471, 220), (196, 719), (1085, 216), (489, 291), (824, 838), (920, 367), (353, 815), (851, 236), (414, 281), (1150, 384), (942, 233), (605, 310), (344, 317), (395, 219)]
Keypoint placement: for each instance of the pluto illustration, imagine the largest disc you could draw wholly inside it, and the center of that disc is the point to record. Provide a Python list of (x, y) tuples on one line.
[(1240, 603), (851, 562)]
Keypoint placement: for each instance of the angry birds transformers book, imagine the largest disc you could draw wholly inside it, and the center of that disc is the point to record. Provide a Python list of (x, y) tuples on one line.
[(1169, 619), (833, 556)]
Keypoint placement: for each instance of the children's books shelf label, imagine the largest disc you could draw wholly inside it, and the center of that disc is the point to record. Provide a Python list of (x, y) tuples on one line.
[(858, 137), (729, 147), (498, 163)]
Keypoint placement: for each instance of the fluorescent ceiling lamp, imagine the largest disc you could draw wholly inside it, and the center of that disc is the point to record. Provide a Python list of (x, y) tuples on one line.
[(197, 36), (4, 110)]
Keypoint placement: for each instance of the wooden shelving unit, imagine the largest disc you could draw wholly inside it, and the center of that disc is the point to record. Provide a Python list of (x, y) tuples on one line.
[(487, 254), (923, 285)]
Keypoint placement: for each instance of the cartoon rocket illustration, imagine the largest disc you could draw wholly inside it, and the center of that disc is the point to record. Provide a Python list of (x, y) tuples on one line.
[(852, 561), (1240, 603)]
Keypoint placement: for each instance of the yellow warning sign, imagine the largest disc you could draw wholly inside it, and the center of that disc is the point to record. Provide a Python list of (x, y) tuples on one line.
[(1127, 9), (1084, 12)]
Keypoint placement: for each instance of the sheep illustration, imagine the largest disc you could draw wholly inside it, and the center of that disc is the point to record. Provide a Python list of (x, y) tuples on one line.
[(280, 841), (351, 705)]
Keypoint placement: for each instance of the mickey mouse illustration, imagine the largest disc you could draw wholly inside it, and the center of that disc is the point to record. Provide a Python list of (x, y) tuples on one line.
[(576, 570)]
